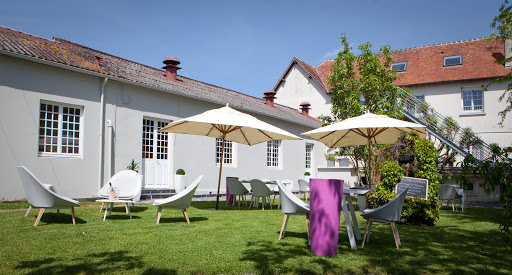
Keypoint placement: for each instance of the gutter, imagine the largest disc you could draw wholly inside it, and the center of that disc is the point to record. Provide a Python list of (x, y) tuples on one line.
[(100, 75), (102, 133)]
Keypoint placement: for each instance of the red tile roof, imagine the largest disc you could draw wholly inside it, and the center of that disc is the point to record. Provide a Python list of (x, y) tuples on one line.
[(425, 64), (63, 52)]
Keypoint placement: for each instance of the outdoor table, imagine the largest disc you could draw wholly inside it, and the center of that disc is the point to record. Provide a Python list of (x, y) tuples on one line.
[(347, 200), (111, 204)]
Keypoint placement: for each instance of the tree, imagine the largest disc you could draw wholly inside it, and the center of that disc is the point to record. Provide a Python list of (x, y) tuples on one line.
[(503, 24), (363, 77), (361, 83)]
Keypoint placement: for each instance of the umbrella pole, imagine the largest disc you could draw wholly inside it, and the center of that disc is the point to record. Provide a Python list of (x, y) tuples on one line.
[(220, 171), (369, 168)]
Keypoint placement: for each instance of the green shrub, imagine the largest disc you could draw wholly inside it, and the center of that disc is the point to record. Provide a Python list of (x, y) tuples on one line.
[(180, 172), (416, 211), (391, 173)]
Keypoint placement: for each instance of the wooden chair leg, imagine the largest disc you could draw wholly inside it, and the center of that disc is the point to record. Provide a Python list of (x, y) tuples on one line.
[(263, 203), (41, 211), (365, 231), (285, 220), (453, 205), (126, 208), (395, 234), (158, 215), (73, 214), (309, 227), (101, 208), (186, 215)]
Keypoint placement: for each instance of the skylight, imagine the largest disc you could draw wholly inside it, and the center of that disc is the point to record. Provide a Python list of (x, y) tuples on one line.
[(399, 66), (452, 60)]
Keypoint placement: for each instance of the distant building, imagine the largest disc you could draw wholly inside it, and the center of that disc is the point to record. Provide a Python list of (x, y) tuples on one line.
[(74, 116), (449, 77)]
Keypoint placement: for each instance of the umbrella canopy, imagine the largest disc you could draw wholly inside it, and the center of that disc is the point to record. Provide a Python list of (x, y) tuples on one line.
[(229, 124), (365, 129)]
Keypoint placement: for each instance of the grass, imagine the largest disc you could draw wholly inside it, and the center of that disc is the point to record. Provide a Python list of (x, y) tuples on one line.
[(239, 241)]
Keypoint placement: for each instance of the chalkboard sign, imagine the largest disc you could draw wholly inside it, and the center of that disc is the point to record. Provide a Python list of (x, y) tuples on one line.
[(417, 187)]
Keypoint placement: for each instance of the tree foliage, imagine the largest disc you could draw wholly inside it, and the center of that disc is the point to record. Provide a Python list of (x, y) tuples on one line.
[(361, 83), (503, 24), (363, 77)]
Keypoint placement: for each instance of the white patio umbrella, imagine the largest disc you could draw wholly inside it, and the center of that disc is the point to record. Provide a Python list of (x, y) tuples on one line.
[(229, 124), (365, 129)]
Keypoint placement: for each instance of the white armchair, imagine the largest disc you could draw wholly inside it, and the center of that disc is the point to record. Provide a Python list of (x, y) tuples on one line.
[(40, 196), (129, 184), (180, 201)]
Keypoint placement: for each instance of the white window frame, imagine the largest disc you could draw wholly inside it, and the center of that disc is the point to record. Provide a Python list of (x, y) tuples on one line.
[(450, 57), (398, 64), (59, 130), (155, 144), (274, 156), (473, 109), (229, 152), (309, 155)]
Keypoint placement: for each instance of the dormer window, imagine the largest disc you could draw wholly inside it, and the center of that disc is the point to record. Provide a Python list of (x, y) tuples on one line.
[(399, 66), (452, 60)]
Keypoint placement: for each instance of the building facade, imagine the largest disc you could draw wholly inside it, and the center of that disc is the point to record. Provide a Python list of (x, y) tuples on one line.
[(449, 77), (75, 116)]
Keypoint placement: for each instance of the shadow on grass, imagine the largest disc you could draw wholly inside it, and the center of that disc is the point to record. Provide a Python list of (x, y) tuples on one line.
[(266, 255), (435, 249), (182, 220), (121, 208), (120, 261), (209, 205), (61, 218)]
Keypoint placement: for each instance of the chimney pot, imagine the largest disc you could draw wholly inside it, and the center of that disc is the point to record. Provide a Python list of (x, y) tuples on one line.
[(305, 106), (269, 97), (98, 60), (171, 68)]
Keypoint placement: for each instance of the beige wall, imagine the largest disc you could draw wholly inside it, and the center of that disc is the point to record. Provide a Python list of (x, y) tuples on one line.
[(298, 88)]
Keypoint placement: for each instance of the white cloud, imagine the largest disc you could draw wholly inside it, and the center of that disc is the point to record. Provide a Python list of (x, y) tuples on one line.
[(331, 54)]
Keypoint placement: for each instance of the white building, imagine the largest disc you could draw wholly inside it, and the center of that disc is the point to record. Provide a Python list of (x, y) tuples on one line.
[(449, 77), (74, 116)]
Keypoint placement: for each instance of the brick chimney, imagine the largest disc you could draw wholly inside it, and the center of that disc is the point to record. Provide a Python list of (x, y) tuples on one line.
[(304, 106), (98, 60), (171, 68), (270, 95)]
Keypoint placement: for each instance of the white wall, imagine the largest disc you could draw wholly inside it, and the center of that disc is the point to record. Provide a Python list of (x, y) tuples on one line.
[(298, 88), (446, 99), (24, 84)]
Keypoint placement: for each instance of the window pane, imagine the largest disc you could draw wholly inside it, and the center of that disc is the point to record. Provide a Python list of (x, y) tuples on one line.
[(452, 60), (399, 67)]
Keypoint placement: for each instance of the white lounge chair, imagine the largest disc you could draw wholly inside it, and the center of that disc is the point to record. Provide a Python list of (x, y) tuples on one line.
[(388, 213), (291, 205), (237, 188), (260, 190), (304, 188), (40, 196), (180, 201), (129, 184)]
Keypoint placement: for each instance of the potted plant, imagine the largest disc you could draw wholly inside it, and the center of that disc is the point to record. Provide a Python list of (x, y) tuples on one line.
[(134, 166), (307, 176), (179, 180), (330, 160)]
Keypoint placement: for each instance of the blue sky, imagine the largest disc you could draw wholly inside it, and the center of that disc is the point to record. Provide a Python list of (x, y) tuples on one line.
[(246, 45)]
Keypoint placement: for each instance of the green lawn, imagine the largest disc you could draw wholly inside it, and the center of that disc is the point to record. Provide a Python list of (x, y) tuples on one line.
[(239, 241)]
